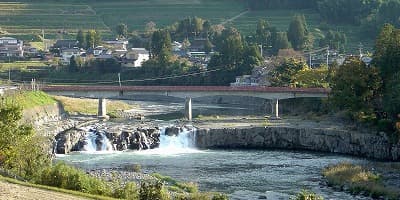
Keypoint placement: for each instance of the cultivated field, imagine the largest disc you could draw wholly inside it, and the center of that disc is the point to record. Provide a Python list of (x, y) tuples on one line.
[(61, 19)]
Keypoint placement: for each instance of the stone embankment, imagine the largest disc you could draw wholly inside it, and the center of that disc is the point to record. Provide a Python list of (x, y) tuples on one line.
[(323, 140)]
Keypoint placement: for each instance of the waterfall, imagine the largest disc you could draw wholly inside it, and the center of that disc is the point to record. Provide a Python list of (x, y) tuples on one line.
[(96, 141), (183, 142)]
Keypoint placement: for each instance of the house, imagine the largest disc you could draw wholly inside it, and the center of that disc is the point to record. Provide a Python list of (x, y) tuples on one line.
[(65, 44), (198, 45), (117, 44), (135, 57), (245, 80), (11, 47), (66, 54), (176, 46)]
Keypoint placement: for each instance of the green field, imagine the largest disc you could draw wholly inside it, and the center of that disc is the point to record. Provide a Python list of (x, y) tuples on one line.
[(62, 18)]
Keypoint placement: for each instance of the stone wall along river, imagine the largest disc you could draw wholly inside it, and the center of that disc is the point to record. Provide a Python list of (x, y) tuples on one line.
[(322, 140)]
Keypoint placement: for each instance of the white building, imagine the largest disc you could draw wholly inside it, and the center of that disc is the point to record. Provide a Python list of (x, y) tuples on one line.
[(66, 54), (11, 47), (135, 57)]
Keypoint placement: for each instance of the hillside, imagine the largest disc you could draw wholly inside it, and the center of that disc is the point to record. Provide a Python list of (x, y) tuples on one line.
[(25, 19)]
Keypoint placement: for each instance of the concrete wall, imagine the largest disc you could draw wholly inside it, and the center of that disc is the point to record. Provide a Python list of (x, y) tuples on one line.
[(321, 140), (42, 114)]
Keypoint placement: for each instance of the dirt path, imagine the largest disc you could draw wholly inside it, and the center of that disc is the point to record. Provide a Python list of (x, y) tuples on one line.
[(9, 191), (235, 17)]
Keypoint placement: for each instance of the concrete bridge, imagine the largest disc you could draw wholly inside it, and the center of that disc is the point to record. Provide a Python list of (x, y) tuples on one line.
[(186, 92)]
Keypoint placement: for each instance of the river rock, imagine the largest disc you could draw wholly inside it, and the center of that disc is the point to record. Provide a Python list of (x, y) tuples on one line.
[(172, 131), (367, 145), (70, 140)]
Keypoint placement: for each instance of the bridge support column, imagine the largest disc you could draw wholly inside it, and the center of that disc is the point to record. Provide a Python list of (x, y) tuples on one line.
[(188, 108), (102, 109), (275, 109)]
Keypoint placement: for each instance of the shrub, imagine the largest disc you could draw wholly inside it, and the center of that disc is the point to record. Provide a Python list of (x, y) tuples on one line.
[(307, 195), (359, 179), (155, 191), (67, 177), (220, 196)]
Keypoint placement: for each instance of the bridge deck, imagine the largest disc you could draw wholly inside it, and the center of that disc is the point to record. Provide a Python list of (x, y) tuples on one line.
[(187, 88)]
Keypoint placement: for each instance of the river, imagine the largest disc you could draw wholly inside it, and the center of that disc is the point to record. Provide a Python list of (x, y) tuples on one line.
[(243, 174)]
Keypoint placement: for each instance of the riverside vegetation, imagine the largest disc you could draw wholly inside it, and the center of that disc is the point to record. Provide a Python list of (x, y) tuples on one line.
[(357, 179), (26, 155)]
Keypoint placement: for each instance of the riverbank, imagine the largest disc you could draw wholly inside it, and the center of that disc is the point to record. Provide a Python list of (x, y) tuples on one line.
[(294, 133)]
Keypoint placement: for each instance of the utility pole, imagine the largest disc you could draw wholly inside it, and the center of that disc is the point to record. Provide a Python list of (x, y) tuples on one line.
[(9, 70), (327, 57), (310, 60), (360, 48)]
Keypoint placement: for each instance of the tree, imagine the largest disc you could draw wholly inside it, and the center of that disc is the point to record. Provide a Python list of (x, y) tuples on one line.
[(161, 42), (93, 39), (263, 33), (298, 34), (20, 149), (122, 30), (355, 93), (73, 65), (285, 73), (150, 28), (109, 65), (387, 59), (80, 37), (280, 41)]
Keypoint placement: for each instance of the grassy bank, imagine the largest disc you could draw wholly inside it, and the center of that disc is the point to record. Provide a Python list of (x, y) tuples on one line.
[(357, 179), (53, 189), (90, 106), (30, 99)]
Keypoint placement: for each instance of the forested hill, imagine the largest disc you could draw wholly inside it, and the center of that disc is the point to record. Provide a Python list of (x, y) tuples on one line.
[(29, 19)]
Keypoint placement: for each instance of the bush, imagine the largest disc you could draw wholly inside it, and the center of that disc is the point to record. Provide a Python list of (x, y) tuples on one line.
[(220, 197), (307, 195), (154, 191), (67, 177)]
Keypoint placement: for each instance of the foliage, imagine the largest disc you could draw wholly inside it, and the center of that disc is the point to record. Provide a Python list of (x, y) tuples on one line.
[(387, 59), (67, 177), (312, 78), (75, 63), (284, 74), (81, 38), (280, 41), (122, 30), (298, 33), (161, 45), (356, 93), (109, 65), (93, 38), (333, 39), (154, 191), (359, 179), (20, 150), (307, 195)]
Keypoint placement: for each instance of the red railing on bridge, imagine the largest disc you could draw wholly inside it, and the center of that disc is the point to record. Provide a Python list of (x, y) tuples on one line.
[(185, 88)]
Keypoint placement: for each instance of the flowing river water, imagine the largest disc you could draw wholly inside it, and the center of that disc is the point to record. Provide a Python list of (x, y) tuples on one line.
[(243, 174)]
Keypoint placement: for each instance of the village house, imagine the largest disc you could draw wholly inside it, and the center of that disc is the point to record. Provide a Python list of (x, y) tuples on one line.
[(117, 45), (11, 47), (66, 54), (135, 57)]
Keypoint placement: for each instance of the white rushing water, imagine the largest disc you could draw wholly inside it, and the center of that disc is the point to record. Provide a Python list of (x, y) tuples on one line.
[(92, 146), (182, 143)]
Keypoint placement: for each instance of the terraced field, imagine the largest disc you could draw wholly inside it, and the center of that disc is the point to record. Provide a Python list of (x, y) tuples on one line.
[(25, 19)]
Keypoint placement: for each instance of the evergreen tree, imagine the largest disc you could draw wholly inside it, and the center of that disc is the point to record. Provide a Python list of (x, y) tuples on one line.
[(80, 37), (298, 33), (122, 30), (281, 42)]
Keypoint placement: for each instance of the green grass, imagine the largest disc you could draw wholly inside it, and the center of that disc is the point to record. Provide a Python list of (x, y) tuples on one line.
[(90, 106), (29, 99), (358, 179), (21, 65), (55, 189)]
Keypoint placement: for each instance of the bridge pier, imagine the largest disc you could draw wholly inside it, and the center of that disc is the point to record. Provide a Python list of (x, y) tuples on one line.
[(102, 109), (275, 109), (188, 108)]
